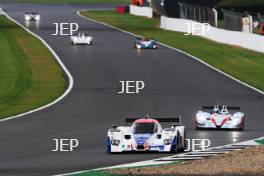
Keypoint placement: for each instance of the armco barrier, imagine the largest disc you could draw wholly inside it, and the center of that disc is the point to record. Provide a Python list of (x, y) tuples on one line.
[(141, 11), (245, 40)]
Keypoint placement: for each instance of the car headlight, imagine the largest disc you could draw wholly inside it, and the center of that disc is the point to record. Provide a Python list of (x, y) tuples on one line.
[(167, 141), (115, 142), (138, 46), (27, 17), (37, 17)]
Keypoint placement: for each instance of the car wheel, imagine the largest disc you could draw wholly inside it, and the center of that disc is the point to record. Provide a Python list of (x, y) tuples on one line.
[(180, 146), (242, 125)]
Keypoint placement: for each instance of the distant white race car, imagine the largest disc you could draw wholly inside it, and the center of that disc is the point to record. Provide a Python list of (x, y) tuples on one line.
[(146, 134), (220, 118), (81, 39), (32, 16)]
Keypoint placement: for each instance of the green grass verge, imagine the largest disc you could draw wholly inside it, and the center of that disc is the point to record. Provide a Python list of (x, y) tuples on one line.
[(246, 65), (29, 75), (260, 141), (69, 1)]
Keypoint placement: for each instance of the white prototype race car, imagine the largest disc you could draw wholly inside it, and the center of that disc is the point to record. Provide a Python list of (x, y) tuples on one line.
[(32, 16), (146, 134), (220, 118), (81, 39)]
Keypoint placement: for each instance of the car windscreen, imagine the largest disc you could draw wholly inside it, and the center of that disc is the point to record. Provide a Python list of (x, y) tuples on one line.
[(144, 128)]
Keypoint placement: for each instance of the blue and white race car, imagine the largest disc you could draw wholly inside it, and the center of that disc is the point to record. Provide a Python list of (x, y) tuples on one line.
[(219, 118), (32, 16), (146, 134), (145, 43)]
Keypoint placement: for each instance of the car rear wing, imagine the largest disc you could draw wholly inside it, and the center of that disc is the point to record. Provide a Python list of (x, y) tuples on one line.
[(34, 13), (220, 107), (176, 120)]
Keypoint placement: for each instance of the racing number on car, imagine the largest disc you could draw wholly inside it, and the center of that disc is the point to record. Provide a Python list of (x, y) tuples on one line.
[(131, 87)]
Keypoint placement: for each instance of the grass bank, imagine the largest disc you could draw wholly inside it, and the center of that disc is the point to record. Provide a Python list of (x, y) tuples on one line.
[(243, 64), (260, 141), (29, 75)]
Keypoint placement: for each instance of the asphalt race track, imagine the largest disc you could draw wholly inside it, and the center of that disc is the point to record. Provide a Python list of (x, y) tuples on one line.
[(175, 85)]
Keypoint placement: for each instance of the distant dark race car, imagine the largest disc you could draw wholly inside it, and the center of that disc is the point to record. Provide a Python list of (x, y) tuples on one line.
[(145, 43)]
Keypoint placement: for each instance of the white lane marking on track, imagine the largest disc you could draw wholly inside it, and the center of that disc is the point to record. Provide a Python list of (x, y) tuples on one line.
[(157, 162), (70, 78), (199, 60)]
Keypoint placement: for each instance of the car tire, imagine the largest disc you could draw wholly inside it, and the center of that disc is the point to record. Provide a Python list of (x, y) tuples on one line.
[(242, 125), (180, 147)]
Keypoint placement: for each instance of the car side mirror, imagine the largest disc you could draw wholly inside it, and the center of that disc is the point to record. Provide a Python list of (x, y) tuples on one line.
[(158, 136)]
